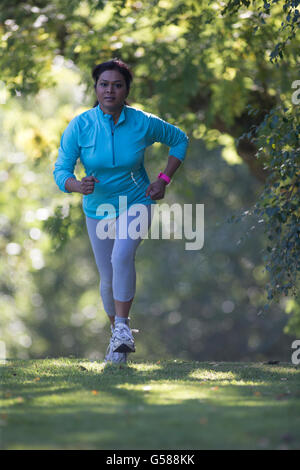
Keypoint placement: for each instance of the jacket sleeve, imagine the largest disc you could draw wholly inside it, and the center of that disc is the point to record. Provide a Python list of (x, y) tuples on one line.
[(68, 154), (161, 131)]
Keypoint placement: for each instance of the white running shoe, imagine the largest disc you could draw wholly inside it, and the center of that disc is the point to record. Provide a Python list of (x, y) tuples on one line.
[(111, 356), (122, 339)]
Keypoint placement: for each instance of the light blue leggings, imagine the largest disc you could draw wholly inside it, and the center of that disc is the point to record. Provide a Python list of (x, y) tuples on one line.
[(115, 257)]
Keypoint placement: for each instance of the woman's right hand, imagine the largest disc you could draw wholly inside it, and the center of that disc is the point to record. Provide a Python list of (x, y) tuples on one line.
[(87, 184)]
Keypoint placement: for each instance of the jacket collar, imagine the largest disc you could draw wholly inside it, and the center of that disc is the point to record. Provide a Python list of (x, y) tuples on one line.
[(105, 117)]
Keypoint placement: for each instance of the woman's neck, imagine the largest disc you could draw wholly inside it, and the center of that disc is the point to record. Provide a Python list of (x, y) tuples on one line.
[(115, 114)]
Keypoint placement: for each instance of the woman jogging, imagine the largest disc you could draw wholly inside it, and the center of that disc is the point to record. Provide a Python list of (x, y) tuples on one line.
[(110, 140)]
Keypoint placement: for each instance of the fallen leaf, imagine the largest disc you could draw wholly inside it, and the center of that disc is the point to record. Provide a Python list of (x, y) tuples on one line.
[(214, 388), (281, 396), (95, 392), (257, 394), (37, 379), (203, 420)]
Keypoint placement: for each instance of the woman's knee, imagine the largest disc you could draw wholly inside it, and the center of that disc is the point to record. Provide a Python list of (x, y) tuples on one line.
[(122, 257), (106, 284)]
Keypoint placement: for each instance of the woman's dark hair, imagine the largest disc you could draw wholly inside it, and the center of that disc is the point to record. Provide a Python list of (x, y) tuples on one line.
[(113, 64)]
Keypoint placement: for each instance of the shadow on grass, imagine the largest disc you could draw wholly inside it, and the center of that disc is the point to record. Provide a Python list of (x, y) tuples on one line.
[(202, 406)]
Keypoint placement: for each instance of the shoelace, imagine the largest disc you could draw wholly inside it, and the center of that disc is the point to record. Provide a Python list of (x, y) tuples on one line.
[(124, 332)]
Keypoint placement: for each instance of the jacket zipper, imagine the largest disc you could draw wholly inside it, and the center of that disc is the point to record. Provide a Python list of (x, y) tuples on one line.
[(133, 179), (113, 152), (113, 147)]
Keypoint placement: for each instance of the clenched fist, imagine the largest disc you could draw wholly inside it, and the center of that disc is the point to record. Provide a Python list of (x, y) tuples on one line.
[(87, 184), (156, 190)]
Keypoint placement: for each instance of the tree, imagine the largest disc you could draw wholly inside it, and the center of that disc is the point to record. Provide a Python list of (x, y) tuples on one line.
[(277, 140), (205, 67)]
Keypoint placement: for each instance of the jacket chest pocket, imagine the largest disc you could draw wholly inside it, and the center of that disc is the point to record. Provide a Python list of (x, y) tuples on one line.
[(87, 148)]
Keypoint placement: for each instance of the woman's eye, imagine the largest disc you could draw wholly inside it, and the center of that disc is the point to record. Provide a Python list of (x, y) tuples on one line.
[(118, 85)]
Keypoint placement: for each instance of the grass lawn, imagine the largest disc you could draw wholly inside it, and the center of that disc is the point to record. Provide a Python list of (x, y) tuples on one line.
[(76, 404)]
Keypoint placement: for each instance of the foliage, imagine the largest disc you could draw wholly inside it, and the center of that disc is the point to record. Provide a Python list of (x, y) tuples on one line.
[(288, 27), (279, 203), (277, 140), (200, 68), (49, 281)]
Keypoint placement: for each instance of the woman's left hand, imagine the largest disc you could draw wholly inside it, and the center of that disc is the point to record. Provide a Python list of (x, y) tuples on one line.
[(156, 190)]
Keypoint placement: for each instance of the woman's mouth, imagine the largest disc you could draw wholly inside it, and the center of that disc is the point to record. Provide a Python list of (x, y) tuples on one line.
[(109, 98)]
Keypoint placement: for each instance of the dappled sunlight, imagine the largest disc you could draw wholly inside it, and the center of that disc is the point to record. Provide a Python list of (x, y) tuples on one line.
[(94, 405), (165, 394), (144, 367), (229, 394), (226, 74), (280, 370), (211, 375)]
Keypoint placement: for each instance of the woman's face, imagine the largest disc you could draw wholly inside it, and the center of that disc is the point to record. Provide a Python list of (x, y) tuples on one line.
[(111, 90)]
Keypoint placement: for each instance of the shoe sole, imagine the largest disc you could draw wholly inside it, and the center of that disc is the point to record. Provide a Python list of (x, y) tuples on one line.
[(125, 348)]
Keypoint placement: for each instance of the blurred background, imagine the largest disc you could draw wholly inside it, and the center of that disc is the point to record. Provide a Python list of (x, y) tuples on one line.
[(196, 68)]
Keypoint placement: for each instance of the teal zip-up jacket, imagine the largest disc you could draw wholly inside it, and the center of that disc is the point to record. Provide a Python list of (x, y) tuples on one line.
[(114, 154)]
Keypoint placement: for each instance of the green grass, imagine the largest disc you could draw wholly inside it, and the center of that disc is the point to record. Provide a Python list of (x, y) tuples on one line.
[(76, 404)]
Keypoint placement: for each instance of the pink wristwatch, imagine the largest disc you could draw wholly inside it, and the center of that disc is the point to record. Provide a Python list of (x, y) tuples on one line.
[(164, 177)]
